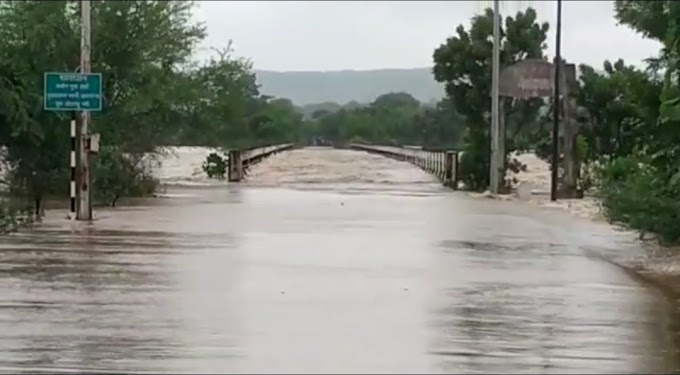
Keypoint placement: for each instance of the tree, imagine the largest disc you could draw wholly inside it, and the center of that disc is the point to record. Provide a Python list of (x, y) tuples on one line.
[(463, 64), (652, 19), (36, 37), (618, 107), (142, 49), (637, 125), (388, 119), (225, 94), (440, 127), (392, 118), (275, 121)]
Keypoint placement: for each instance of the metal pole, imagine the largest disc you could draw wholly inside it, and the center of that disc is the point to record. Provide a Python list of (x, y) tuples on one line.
[(84, 202), (73, 163), (556, 104), (495, 69)]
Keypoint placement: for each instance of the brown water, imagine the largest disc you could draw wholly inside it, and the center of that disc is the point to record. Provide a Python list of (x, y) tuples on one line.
[(327, 261)]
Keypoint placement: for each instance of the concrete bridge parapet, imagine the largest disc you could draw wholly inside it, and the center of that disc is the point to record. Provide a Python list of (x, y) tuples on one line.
[(441, 163)]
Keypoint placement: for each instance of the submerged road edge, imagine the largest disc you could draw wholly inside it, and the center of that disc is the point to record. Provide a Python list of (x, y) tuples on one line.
[(657, 265)]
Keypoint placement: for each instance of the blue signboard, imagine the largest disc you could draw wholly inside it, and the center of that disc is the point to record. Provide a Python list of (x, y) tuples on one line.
[(73, 92)]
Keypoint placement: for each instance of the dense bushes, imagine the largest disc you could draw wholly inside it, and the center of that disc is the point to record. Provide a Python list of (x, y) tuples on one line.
[(638, 113), (14, 215), (640, 195), (474, 161), (119, 175), (215, 166)]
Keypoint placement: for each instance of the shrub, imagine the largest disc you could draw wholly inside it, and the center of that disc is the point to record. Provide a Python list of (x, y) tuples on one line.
[(215, 166), (639, 195), (474, 161), (117, 175), (14, 216)]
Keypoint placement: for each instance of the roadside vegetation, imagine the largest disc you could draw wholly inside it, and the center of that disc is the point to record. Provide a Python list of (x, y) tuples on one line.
[(628, 116), (156, 95)]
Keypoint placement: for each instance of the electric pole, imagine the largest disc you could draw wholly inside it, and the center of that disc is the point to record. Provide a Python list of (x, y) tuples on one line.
[(84, 201), (494, 162), (556, 105)]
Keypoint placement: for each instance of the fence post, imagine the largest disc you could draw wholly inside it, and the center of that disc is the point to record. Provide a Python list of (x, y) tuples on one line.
[(448, 167), (441, 168), (455, 169), (235, 166)]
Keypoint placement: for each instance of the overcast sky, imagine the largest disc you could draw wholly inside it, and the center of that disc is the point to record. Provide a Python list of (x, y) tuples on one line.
[(328, 35)]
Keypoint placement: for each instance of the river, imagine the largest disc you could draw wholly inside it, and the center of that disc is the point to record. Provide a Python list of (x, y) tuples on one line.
[(326, 261)]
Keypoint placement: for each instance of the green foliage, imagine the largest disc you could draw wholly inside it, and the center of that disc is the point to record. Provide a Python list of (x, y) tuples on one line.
[(617, 106), (14, 216), (463, 64), (474, 161), (649, 18), (141, 48), (440, 127), (630, 120), (392, 118), (117, 175), (215, 166), (582, 150), (638, 194)]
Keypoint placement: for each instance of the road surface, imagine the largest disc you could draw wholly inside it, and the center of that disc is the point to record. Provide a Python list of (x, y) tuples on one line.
[(327, 261)]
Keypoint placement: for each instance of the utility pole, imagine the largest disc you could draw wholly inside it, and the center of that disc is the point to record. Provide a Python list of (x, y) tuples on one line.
[(556, 105), (494, 167), (84, 198)]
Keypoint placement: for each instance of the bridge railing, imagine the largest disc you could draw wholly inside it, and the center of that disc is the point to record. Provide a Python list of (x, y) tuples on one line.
[(443, 164), (241, 160)]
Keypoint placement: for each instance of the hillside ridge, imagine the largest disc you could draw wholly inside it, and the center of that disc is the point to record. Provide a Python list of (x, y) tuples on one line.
[(344, 86)]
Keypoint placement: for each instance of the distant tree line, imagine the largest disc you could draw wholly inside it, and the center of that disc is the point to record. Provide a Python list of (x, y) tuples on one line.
[(392, 118)]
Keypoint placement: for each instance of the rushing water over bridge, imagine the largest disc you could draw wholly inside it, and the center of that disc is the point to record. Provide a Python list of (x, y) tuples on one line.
[(325, 260)]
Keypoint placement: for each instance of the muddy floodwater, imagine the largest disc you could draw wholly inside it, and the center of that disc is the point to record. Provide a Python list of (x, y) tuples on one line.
[(327, 261)]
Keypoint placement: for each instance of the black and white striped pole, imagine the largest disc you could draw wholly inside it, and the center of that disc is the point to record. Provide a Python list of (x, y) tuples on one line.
[(73, 165)]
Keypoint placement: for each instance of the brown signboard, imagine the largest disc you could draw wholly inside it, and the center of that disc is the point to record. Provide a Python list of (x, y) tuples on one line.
[(532, 78)]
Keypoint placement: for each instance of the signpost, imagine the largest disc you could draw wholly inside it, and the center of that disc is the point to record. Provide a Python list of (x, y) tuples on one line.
[(78, 92), (73, 92), (535, 78)]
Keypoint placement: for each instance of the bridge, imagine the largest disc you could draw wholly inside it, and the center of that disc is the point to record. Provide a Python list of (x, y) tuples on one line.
[(441, 163)]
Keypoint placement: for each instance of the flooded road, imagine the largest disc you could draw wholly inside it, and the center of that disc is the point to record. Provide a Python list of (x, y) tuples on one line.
[(326, 261)]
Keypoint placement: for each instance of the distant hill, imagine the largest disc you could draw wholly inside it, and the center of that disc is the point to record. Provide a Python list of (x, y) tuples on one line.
[(362, 86)]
